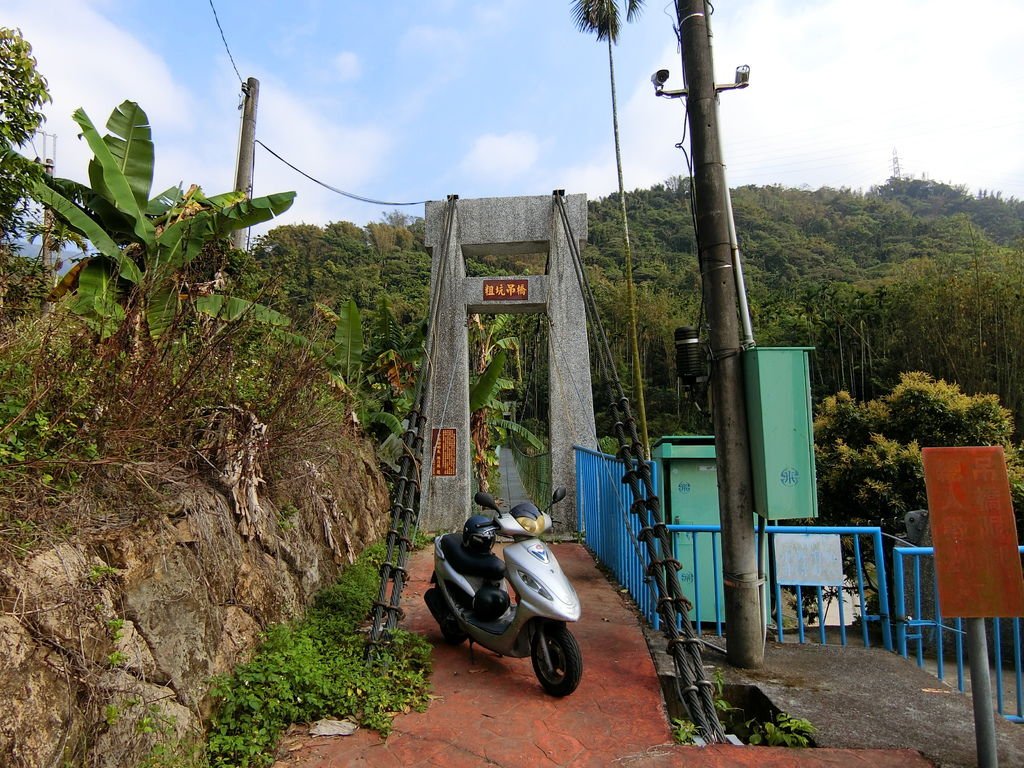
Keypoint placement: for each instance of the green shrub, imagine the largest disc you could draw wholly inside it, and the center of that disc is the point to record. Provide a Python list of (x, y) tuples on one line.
[(869, 454), (315, 669)]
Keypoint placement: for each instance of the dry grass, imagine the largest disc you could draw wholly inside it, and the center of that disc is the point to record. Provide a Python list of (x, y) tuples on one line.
[(92, 434)]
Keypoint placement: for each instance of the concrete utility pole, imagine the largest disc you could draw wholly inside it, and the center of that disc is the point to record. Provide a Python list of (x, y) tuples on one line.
[(246, 149), (48, 256), (745, 645)]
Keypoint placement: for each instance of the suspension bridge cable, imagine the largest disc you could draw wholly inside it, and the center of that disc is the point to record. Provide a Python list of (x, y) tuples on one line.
[(662, 566), (216, 18), (325, 185), (406, 496)]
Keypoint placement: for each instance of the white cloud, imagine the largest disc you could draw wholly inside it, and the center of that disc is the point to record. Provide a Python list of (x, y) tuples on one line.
[(835, 89), (347, 66), (501, 156), (91, 63), (348, 157), (440, 40)]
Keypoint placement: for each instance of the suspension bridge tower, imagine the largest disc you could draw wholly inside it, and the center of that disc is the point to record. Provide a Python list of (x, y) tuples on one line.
[(456, 230)]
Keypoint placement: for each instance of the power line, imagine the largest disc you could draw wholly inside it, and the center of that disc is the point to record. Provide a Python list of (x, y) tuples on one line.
[(334, 189), (222, 37)]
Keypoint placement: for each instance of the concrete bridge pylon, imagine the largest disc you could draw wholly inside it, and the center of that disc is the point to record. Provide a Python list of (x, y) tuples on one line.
[(498, 226)]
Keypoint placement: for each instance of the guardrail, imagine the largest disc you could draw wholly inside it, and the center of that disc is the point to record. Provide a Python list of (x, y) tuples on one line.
[(604, 520), (931, 636), (859, 584), (603, 504)]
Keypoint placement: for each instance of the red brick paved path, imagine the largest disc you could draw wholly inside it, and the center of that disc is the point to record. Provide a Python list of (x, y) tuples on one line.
[(491, 711)]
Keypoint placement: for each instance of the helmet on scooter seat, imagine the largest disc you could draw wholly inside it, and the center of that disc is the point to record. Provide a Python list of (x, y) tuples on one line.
[(478, 534)]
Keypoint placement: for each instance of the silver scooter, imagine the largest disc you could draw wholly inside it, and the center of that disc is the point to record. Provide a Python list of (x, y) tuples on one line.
[(470, 596)]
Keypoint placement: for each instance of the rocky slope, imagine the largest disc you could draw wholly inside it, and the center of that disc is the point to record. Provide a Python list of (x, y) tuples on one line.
[(108, 644)]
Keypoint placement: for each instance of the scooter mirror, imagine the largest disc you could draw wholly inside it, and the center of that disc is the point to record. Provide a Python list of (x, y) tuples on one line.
[(558, 495), (485, 500)]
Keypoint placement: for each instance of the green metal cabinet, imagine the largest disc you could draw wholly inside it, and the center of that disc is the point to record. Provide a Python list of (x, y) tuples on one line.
[(689, 490), (780, 424)]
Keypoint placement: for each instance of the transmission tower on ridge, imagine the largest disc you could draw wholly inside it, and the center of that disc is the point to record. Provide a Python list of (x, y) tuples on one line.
[(896, 164)]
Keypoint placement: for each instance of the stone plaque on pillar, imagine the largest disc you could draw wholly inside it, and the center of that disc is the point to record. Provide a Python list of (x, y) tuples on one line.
[(445, 442)]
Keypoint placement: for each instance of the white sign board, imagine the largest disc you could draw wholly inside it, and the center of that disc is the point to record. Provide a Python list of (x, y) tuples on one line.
[(808, 559)]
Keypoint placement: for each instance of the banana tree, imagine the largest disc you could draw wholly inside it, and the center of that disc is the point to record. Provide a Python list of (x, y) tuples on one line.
[(139, 278), (492, 344), (376, 366)]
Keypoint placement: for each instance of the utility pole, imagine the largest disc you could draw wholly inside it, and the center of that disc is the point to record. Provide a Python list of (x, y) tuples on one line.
[(744, 643), (46, 249), (246, 149)]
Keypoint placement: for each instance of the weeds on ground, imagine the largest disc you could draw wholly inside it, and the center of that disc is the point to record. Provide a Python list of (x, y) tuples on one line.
[(316, 668), (778, 730), (781, 731)]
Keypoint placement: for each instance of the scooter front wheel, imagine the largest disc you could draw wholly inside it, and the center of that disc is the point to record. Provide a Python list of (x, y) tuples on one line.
[(557, 661)]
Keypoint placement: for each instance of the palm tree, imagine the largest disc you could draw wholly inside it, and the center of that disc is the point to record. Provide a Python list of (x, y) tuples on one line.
[(602, 18)]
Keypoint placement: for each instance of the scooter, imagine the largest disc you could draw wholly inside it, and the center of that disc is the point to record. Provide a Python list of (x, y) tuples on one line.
[(470, 597)]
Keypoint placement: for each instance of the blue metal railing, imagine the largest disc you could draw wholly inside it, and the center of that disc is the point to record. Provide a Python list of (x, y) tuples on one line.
[(931, 633), (860, 585), (602, 504)]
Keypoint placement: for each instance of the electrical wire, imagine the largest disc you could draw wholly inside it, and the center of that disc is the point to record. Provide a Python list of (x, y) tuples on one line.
[(343, 193), (216, 18)]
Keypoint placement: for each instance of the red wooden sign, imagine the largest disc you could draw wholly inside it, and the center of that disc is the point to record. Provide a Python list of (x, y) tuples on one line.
[(976, 558), (508, 289), (444, 461)]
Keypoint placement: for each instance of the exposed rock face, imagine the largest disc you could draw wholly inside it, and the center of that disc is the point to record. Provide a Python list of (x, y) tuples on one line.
[(107, 647)]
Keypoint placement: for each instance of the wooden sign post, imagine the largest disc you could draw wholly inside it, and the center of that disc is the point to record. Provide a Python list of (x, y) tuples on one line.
[(977, 564)]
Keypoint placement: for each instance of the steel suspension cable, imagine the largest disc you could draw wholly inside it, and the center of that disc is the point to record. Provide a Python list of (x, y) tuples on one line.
[(386, 610), (684, 646)]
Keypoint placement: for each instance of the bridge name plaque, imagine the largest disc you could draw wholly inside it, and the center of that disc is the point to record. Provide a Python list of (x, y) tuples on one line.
[(508, 289)]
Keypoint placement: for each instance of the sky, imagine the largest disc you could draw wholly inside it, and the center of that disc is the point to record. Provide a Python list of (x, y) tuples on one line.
[(413, 100)]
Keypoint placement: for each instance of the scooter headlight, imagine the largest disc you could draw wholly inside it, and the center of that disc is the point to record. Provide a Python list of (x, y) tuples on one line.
[(530, 524)]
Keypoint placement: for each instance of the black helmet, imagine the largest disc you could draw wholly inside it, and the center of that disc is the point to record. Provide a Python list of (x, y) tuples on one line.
[(490, 602), (478, 534)]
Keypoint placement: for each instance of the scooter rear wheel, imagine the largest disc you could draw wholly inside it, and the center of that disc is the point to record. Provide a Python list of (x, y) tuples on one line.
[(561, 676), (446, 621)]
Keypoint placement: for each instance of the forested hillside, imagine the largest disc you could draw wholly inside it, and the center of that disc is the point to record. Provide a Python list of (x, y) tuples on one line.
[(911, 275)]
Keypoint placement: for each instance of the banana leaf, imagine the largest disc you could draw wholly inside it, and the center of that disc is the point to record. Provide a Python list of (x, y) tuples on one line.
[(161, 312), (96, 301), (389, 420), (347, 356), (108, 178), (82, 223), (183, 240), (231, 308), (248, 213), (487, 385), (113, 221), (131, 144), (517, 429), (165, 201)]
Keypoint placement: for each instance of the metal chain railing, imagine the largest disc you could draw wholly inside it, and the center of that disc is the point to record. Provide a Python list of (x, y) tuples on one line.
[(696, 691), (405, 505)]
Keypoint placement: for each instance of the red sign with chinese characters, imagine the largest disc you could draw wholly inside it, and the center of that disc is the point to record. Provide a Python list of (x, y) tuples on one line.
[(444, 461), (977, 564), (509, 289)]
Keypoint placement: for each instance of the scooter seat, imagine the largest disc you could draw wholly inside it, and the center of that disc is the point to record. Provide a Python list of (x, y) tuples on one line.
[(487, 566)]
